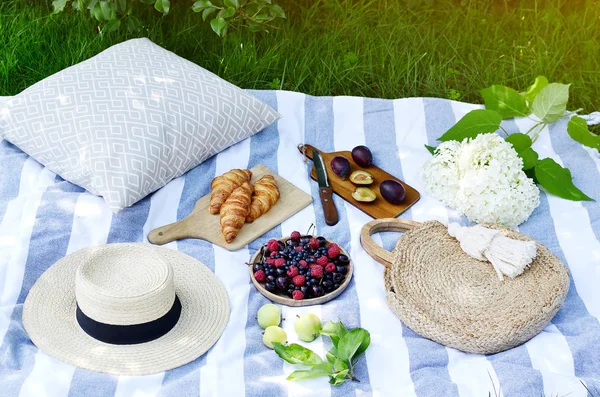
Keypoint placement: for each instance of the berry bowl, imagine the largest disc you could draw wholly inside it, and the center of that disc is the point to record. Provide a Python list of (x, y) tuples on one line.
[(301, 270)]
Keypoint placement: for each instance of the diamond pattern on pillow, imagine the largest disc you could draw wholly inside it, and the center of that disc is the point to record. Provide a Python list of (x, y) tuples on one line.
[(127, 121)]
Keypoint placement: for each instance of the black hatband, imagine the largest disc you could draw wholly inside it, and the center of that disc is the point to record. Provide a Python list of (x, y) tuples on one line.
[(130, 334)]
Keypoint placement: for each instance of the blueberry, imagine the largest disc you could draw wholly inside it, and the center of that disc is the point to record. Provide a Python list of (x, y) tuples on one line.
[(317, 255), (343, 258), (290, 290), (338, 277), (270, 279), (270, 287), (290, 243), (310, 260), (305, 289), (342, 269), (328, 276), (336, 286), (327, 285), (280, 270)]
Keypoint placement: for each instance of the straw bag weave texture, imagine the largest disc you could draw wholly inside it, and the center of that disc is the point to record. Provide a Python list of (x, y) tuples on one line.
[(445, 295)]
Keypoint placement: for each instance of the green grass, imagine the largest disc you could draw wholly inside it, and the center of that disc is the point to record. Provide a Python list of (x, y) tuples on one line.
[(377, 48)]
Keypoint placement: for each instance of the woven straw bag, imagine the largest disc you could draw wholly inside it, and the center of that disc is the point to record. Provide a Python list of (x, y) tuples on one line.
[(443, 294)]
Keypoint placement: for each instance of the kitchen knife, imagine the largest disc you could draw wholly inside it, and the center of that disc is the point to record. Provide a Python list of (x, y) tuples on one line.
[(325, 190)]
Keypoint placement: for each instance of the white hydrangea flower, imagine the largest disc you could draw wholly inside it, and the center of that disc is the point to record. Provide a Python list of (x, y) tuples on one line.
[(442, 173), (483, 179)]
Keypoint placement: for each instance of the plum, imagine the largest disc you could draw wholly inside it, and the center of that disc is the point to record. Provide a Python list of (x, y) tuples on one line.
[(361, 177), (362, 156), (341, 166), (392, 191), (364, 194)]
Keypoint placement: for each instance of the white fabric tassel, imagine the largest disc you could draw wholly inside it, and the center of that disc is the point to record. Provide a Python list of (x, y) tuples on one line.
[(508, 256)]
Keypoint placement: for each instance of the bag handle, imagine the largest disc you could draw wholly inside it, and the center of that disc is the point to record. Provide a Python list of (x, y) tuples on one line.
[(376, 252)]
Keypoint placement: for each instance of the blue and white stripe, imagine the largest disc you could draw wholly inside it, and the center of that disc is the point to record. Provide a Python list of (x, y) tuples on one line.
[(43, 218)]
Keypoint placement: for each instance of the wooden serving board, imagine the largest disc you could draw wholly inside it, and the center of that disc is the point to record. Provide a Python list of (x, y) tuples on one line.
[(380, 208), (284, 300), (203, 225)]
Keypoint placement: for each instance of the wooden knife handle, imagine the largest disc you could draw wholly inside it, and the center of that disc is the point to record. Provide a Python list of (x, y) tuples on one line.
[(329, 210)]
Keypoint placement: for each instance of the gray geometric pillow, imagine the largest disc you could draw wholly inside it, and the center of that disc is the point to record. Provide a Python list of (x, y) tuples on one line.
[(125, 122)]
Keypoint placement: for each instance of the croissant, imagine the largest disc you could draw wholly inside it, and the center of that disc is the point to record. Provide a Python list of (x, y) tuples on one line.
[(234, 211), (266, 194), (223, 185)]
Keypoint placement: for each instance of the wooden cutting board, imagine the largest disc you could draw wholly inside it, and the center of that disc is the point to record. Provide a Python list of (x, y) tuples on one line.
[(380, 208), (203, 225)]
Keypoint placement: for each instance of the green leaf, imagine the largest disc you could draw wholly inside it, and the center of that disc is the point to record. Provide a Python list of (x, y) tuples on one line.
[(163, 6), (550, 103), (59, 5), (354, 342), (296, 354), (208, 12), (431, 149), (202, 5), (133, 24), (218, 25), (314, 372), (335, 330), (478, 121), (97, 12), (111, 26), (578, 130), (276, 11), (535, 88), (339, 377), (148, 1), (231, 3), (504, 100), (558, 180), (122, 6), (227, 13), (522, 145), (339, 365), (108, 10)]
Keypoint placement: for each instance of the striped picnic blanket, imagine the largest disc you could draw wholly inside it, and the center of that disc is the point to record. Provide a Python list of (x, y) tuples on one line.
[(44, 218)]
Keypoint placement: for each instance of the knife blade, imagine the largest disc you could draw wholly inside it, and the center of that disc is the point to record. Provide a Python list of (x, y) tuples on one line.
[(325, 190)]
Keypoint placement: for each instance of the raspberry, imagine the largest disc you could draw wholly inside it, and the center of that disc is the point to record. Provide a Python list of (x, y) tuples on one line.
[(299, 280), (333, 251), (273, 245), (303, 263), (292, 271), (297, 295), (260, 276), (313, 243), (270, 261), (299, 249), (322, 261), (316, 271), (279, 262), (295, 236), (330, 268), (273, 253)]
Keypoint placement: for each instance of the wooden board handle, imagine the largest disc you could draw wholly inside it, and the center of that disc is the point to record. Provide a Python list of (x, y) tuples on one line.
[(166, 234), (378, 253), (307, 150)]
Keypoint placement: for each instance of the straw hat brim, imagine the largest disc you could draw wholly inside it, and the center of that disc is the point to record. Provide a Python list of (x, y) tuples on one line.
[(49, 318)]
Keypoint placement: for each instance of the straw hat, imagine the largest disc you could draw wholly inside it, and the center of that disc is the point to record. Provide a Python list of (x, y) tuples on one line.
[(126, 309)]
